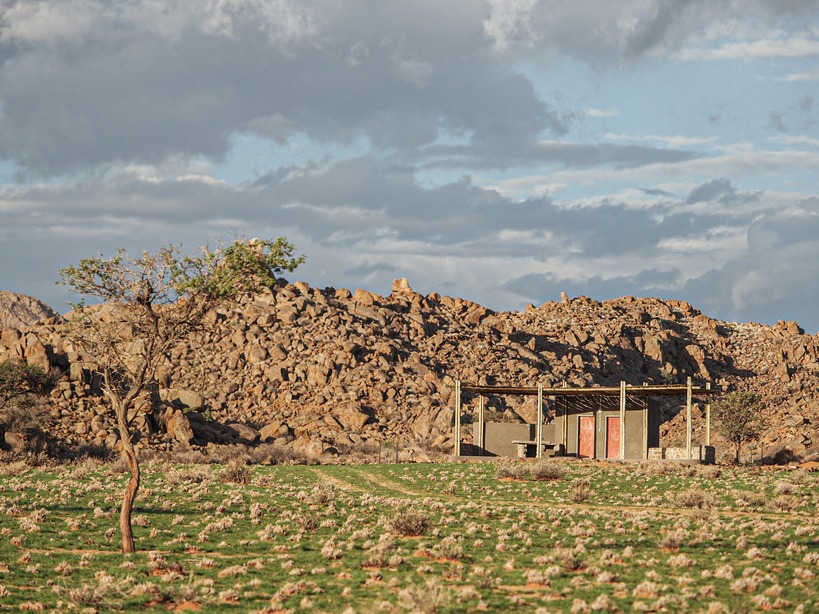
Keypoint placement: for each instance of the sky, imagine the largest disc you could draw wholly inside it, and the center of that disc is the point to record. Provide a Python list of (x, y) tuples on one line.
[(502, 151)]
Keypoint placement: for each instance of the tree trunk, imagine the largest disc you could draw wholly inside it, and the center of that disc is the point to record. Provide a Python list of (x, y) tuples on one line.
[(128, 497), (131, 490), (739, 444)]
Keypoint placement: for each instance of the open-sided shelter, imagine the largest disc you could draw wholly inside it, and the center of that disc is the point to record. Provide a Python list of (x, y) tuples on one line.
[(620, 422)]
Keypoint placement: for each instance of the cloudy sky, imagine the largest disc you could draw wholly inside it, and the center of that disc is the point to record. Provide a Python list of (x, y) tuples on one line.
[(500, 150)]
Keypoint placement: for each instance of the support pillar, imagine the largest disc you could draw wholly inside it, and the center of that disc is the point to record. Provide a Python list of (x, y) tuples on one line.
[(481, 426), (708, 416), (622, 419), (457, 417), (688, 429), (539, 429), (645, 428)]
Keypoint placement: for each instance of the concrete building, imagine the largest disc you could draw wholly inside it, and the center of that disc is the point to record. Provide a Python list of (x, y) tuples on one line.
[(621, 423)]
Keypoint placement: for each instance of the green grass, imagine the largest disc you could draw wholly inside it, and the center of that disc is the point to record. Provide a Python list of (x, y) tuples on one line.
[(598, 537)]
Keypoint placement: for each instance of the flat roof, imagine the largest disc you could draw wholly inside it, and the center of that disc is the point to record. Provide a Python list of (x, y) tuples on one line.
[(670, 390)]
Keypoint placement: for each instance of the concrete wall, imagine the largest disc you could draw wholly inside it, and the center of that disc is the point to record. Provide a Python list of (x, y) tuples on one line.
[(610, 407), (498, 437)]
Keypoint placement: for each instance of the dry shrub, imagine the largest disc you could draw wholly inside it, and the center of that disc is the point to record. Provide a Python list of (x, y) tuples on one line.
[(13, 468), (409, 523), (694, 498), (275, 454), (569, 558), (784, 488), (321, 494), (580, 491), (673, 539), (429, 597), (236, 472), (540, 470), (508, 470), (783, 503), (194, 474), (450, 548), (668, 468), (710, 472), (548, 470)]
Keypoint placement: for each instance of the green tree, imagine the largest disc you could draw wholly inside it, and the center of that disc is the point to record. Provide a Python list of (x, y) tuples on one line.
[(739, 417), (21, 388), (151, 304)]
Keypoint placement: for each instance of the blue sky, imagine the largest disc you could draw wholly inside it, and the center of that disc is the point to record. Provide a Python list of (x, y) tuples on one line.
[(502, 151)]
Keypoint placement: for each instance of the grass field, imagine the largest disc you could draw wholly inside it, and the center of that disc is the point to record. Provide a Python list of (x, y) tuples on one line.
[(553, 537)]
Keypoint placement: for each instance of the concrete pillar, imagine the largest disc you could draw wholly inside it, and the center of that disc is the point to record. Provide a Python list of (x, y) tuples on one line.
[(622, 419), (688, 429), (481, 426), (708, 416), (539, 429), (645, 428), (457, 417)]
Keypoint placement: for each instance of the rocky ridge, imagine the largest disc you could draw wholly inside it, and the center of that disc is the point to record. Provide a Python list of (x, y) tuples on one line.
[(327, 371), (19, 310)]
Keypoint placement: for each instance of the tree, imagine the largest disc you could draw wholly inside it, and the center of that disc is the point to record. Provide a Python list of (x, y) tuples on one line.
[(739, 417), (151, 304), (21, 386)]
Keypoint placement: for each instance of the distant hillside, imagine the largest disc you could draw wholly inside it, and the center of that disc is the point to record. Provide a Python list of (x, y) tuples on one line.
[(19, 310), (327, 371)]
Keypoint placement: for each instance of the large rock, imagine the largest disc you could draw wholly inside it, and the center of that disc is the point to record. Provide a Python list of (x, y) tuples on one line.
[(21, 311), (182, 396), (351, 417), (245, 433), (179, 426)]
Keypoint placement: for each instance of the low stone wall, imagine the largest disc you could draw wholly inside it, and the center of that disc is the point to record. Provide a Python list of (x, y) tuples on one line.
[(704, 454)]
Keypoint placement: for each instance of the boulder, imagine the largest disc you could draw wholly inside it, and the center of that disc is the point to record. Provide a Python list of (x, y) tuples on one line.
[(181, 396), (350, 417), (401, 287), (273, 431), (245, 433), (178, 426)]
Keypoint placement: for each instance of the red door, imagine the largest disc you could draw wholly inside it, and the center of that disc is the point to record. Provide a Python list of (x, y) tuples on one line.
[(585, 445), (613, 437)]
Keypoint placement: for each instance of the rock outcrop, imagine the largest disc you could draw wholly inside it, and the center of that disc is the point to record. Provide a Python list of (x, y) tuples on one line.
[(19, 310), (329, 371)]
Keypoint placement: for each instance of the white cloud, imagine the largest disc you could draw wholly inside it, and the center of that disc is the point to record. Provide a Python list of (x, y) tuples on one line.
[(673, 141), (759, 49), (811, 75), (49, 23), (509, 21), (592, 112), (284, 21)]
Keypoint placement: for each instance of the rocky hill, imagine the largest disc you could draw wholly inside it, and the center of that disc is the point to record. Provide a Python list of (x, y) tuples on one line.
[(327, 371), (19, 310)]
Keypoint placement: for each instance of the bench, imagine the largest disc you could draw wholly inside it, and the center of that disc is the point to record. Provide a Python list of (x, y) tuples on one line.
[(524, 447)]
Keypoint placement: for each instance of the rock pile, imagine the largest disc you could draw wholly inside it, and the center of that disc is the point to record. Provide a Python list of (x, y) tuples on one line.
[(19, 310), (326, 371)]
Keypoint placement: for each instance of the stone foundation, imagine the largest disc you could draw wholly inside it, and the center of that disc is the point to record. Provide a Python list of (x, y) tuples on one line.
[(704, 454)]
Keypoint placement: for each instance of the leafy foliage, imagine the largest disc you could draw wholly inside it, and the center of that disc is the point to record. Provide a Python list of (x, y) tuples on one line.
[(21, 386), (241, 267), (739, 417), (152, 303)]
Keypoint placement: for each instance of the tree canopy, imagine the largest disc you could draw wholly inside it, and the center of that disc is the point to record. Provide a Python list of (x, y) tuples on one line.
[(152, 303), (21, 385), (739, 417)]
